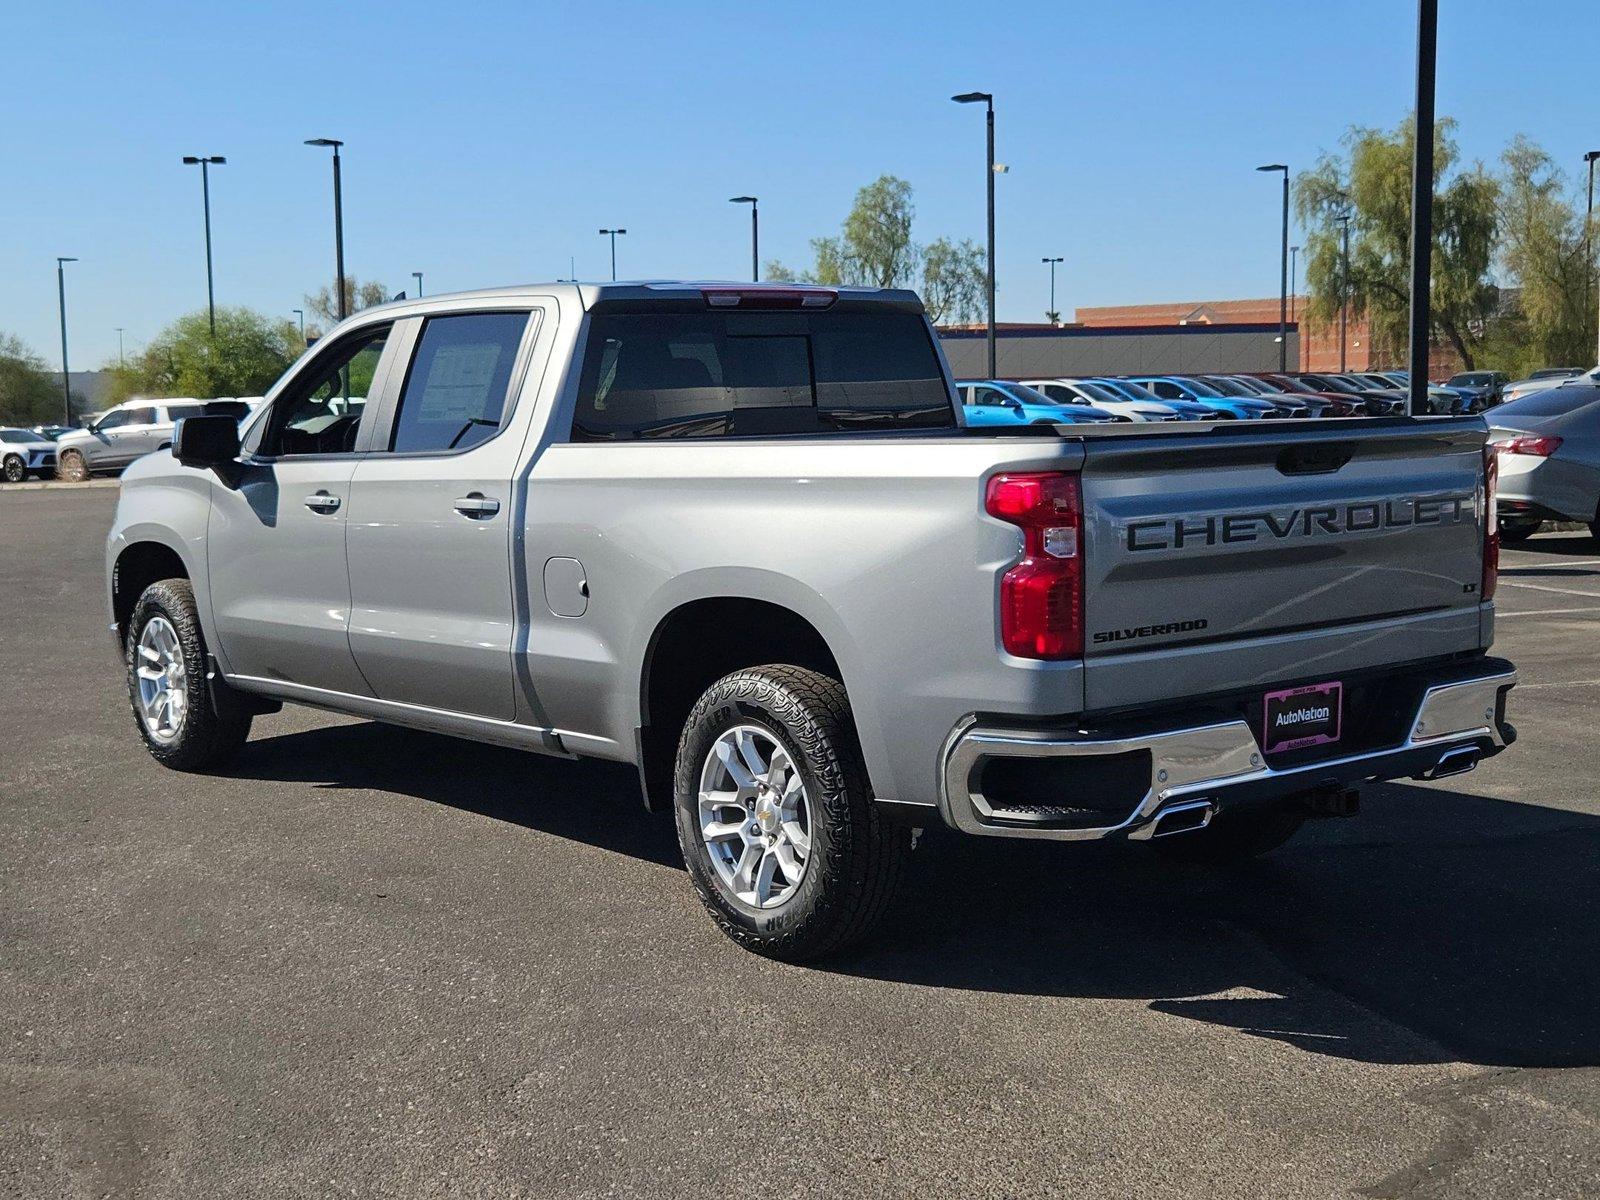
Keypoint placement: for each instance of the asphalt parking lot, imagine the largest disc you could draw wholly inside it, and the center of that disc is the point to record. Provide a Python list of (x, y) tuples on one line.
[(376, 962)]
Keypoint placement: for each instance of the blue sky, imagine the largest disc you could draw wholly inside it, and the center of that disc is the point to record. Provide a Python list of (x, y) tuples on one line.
[(487, 142)]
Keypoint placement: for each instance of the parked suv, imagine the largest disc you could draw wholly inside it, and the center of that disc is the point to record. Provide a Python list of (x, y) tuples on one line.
[(24, 452), (120, 435)]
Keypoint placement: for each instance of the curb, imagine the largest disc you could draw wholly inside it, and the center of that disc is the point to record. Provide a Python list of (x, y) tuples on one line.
[(47, 484)]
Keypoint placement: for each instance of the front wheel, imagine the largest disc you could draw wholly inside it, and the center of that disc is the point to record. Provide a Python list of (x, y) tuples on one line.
[(74, 468), (783, 840), (15, 469), (188, 722)]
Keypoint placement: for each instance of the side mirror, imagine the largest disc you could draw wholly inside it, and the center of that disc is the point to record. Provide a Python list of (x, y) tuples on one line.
[(209, 441)]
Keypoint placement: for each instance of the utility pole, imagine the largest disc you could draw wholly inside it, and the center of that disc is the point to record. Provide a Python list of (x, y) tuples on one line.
[(1054, 316), (205, 164), (417, 275), (66, 372), (987, 100), (1588, 245), (755, 253), (1294, 267), (613, 234), (301, 313), (1422, 207), (341, 306), (1344, 288), (1283, 271), (121, 361)]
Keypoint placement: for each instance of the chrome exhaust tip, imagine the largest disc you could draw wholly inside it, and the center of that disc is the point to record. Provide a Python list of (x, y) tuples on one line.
[(1184, 817), (1457, 761)]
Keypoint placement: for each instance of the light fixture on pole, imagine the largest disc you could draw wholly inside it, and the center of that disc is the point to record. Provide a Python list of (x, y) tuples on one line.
[(613, 235), (1054, 316), (1283, 271), (205, 164), (755, 252), (987, 100), (66, 372), (341, 305)]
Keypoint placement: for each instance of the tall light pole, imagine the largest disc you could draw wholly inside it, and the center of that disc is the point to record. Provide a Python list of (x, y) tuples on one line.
[(613, 234), (1422, 207), (1344, 286), (1294, 268), (1283, 271), (66, 374), (301, 313), (121, 360), (987, 100), (1054, 316), (1588, 245), (417, 275), (340, 305), (755, 252), (205, 164)]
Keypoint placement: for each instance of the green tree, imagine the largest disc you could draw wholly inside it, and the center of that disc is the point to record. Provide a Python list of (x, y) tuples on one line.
[(245, 356), (954, 281), (30, 393), (357, 295), (1543, 255), (1373, 184)]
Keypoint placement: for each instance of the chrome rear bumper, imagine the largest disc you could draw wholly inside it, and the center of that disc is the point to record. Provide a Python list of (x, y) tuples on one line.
[(1195, 770)]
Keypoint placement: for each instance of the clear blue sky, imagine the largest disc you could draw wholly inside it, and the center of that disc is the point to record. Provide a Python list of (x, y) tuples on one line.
[(486, 142)]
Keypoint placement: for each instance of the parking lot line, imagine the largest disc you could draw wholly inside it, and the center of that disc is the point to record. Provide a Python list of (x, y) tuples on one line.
[(1545, 612), (1541, 587), (1557, 684)]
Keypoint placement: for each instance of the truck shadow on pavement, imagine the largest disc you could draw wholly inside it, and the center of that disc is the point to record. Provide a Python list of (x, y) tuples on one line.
[(1438, 926)]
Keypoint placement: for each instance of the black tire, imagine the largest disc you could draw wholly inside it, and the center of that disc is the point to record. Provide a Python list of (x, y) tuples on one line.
[(1512, 532), (72, 467), (856, 857), (15, 469), (1233, 837), (215, 724)]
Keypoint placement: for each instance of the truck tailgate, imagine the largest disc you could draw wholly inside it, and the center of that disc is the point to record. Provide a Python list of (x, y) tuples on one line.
[(1247, 556)]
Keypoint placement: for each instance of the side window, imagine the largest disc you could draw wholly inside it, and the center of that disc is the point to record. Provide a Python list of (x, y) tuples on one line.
[(177, 412), (117, 419), (455, 392), (320, 413), (1167, 391), (140, 416)]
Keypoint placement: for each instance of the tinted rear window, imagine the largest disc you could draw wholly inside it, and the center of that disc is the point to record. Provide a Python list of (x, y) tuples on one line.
[(716, 374)]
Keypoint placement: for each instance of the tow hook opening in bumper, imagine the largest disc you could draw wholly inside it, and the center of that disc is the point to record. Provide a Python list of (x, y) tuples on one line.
[(1072, 785)]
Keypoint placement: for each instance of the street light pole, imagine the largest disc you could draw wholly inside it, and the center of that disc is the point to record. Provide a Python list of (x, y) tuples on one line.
[(1294, 268), (205, 188), (755, 253), (987, 100), (301, 313), (1588, 245), (417, 275), (1283, 271), (66, 373), (1053, 261), (340, 306), (121, 360), (613, 234), (1344, 288), (1422, 207)]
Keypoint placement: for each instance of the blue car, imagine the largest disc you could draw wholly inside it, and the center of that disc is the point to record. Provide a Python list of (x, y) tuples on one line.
[(1181, 387), (988, 402), (1183, 410)]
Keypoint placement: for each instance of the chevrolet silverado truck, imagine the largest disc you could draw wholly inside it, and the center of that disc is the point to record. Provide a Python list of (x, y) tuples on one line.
[(738, 537)]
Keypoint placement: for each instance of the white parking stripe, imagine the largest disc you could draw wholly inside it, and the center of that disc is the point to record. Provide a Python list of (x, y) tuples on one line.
[(1540, 587), (1543, 612), (1522, 687), (1560, 562)]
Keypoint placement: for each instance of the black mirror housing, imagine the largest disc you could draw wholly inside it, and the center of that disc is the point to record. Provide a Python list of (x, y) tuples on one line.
[(208, 441)]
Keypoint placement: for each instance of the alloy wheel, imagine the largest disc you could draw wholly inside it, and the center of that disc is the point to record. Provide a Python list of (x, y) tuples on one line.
[(163, 680), (755, 819)]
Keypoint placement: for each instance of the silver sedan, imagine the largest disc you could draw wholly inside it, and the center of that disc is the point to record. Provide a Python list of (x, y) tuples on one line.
[(1549, 447)]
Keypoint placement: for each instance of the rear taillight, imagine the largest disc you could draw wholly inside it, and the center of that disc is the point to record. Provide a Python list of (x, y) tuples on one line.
[(1041, 597), (1539, 447), (1491, 523)]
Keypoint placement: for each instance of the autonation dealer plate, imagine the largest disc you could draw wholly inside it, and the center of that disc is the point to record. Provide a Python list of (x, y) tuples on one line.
[(1304, 716)]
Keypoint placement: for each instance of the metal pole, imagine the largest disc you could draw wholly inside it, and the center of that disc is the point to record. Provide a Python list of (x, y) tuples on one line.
[(66, 371), (1422, 206), (338, 234), (417, 275), (121, 360), (1588, 247), (1283, 282), (211, 295), (301, 313), (1294, 268), (1344, 291), (613, 256), (755, 245), (990, 259)]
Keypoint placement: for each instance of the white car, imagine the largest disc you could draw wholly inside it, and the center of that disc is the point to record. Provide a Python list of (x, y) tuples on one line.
[(121, 434), (1545, 379), (1087, 391), (24, 452)]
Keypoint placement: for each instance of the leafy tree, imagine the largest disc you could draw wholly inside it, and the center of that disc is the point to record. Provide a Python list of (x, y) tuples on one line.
[(874, 248), (357, 295), (1543, 255), (1374, 185), (30, 393), (247, 354)]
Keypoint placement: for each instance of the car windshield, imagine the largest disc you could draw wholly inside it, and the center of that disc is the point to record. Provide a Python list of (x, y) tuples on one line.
[(1228, 387), (1130, 390), (1551, 402), (1101, 392), (1556, 372), (1197, 387), (1331, 383), (17, 435), (1470, 379), (1030, 395)]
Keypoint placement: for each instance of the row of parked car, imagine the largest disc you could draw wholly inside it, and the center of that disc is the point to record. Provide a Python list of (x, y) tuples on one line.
[(1252, 396), (107, 442)]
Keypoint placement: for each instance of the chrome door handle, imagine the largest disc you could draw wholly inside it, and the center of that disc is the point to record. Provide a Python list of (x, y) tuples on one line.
[(477, 506), (322, 502)]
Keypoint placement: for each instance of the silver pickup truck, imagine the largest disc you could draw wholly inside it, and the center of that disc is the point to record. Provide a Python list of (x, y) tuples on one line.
[(737, 537)]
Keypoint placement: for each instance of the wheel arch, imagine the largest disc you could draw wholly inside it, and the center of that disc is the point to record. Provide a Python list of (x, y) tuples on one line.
[(139, 563)]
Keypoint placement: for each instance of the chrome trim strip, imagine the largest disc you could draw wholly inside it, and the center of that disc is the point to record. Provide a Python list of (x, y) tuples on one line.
[(1186, 762)]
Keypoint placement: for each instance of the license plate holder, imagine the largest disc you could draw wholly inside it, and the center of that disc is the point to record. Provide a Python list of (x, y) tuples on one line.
[(1295, 718)]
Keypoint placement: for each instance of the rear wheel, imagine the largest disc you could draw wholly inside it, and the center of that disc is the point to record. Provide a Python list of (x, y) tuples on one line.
[(1234, 836), (188, 723), (73, 468), (784, 842), (15, 469)]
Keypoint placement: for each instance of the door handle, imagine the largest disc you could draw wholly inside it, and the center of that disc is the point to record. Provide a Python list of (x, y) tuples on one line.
[(477, 506), (322, 502)]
